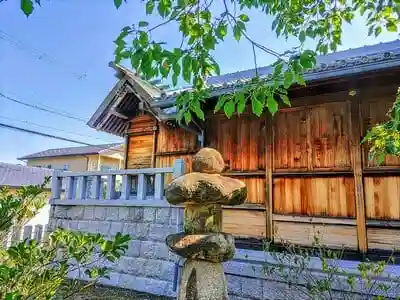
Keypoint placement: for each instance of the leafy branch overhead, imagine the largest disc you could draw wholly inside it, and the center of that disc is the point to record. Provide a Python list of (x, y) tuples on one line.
[(205, 24)]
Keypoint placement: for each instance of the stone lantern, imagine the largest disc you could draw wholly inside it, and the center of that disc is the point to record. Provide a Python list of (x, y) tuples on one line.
[(203, 243)]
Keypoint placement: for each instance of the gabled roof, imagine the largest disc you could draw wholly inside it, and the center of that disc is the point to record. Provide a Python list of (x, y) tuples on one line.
[(17, 175), (133, 94), (72, 151), (337, 64), (128, 94)]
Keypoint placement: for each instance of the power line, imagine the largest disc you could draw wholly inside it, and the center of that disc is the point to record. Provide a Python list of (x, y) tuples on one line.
[(52, 128), (43, 108), (53, 136), (43, 134), (40, 56)]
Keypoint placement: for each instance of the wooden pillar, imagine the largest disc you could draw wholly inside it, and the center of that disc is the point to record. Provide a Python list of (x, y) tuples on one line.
[(269, 159), (356, 156), (153, 153), (126, 151)]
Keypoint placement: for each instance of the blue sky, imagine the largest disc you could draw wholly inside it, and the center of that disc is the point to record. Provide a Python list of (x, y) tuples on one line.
[(74, 39)]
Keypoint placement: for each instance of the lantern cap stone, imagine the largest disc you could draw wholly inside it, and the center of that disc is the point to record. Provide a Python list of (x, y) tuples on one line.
[(214, 247), (200, 188)]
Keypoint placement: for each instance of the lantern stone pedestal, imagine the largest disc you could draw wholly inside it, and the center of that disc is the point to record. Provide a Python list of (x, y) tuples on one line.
[(202, 242)]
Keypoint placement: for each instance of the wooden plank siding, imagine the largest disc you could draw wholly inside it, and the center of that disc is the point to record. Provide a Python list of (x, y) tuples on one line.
[(318, 196), (304, 163), (140, 143), (382, 192), (241, 140)]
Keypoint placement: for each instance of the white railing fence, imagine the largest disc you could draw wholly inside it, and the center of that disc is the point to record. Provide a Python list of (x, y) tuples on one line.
[(28, 232), (129, 184)]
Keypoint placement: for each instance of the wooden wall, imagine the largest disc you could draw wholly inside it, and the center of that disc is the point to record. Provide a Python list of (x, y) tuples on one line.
[(306, 171), (308, 174)]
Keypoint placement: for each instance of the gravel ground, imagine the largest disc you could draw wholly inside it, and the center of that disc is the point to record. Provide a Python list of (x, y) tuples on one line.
[(108, 293)]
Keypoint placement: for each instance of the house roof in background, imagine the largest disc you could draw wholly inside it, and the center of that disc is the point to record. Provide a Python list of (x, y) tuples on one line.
[(337, 64), (72, 151), (18, 175)]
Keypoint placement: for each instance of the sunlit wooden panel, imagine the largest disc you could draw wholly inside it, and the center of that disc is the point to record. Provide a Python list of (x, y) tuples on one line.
[(382, 197), (241, 141), (317, 196), (330, 136), (335, 236), (244, 223), (140, 148), (382, 238), (175, 139), (290, 142)]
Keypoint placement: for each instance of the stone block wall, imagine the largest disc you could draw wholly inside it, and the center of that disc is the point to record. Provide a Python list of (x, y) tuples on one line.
[(147, 266)]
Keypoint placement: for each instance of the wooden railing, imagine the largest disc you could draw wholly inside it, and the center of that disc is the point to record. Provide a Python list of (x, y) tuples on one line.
[(125, 185)]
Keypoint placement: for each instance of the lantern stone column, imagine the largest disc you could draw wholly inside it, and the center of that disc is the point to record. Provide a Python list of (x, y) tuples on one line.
[(202, 242)]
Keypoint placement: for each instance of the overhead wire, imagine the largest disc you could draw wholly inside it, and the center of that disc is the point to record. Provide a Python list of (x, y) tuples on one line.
[(42, 56), (16, 128), (52, 128), (44, 108)]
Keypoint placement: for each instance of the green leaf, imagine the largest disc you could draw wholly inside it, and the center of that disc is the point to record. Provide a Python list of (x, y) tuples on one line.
[(300, 79), (117, 3), (285, 99), (27, 7), (241, 102), (244, 18), (302, 37), (307, 59), (188, 117), (205, 15), (229, 108), (278, 69), (272, 104), (256, 105), (149, 7), (391, 26), (143, 39), (221, 30), (378, 31), (288, 79), (198, 111), (221, 101), (237, 32), (143, 24), (187, 67)]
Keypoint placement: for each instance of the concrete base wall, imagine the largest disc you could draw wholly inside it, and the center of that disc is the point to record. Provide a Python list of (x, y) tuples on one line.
[(148, 266)]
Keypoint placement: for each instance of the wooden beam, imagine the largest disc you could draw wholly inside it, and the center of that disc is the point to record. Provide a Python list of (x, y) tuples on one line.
[(356, 154), (243, 174), (269, 160), (314, 220), (383, 223), (173, 153), (332, 173)]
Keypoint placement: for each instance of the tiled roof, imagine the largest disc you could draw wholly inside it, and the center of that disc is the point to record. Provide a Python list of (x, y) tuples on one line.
[(17, 175), (341, 63), (83, 150)]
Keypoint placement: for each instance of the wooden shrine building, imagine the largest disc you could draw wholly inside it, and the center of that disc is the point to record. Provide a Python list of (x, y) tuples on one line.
[(306, 171)]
